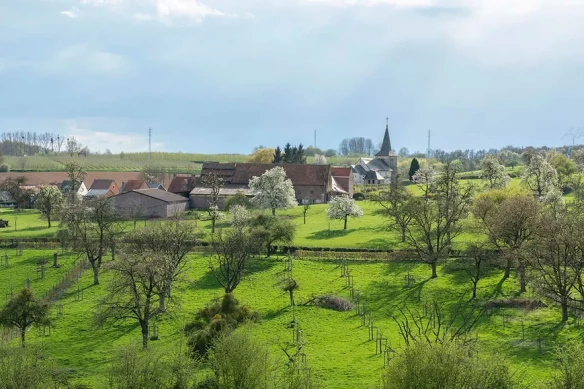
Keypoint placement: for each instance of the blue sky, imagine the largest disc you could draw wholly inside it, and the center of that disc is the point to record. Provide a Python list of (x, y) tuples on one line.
[(228, 75)]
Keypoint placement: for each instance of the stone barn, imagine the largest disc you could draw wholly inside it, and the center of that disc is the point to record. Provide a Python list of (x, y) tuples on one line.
[(149, 203)]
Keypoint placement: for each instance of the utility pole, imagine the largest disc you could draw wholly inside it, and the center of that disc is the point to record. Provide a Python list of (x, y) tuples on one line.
[(315, 139), (149, 143), (428, 150)]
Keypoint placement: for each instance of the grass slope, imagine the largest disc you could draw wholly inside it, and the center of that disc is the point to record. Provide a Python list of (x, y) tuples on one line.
[(337, 346)]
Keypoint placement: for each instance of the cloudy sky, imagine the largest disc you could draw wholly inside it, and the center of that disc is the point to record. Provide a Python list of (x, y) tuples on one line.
[(228, 75)]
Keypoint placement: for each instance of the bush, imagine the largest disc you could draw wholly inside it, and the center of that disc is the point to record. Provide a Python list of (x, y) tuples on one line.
[(570, 361), (214, 319), (145, 369), (239, 198), (25, 368), (333, 302), (240, 361), (358, 196), (446, 365), (4, 168)]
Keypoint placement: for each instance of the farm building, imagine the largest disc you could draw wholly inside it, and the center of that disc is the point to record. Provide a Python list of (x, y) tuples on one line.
[(133, 185), (312, 183), (149, 203), (181, 185), (103, 188), (80, 188), (200, 197)]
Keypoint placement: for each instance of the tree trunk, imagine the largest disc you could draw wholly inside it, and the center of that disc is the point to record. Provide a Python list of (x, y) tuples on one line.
[(522, 281), (95, 274), (22, 336), (474, 288), (273, 211), (304, 217), (564, 310), (162, 302), (403, 234), (213, 225), (507, 269), (291, 291), (345, 223), (434, 274), (49, 220), (145, 334)]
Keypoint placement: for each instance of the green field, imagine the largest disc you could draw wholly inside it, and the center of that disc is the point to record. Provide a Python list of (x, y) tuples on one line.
[(132, 162), (337, 345)]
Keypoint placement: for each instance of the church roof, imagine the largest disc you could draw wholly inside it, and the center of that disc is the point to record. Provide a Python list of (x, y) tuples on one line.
[(386, 145), (378, 164)]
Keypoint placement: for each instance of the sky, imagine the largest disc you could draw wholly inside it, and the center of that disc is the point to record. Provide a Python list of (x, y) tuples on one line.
[(225, 76)]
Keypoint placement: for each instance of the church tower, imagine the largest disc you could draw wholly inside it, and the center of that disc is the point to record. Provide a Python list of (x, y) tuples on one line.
[(386, 154)]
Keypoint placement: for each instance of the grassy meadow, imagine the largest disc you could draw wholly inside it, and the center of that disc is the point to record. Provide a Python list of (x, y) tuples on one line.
[(337, 346)]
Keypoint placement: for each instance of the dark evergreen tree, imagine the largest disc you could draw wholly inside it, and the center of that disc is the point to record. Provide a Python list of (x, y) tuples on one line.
[(414, 167), (299, 156), (277, 155), (288, 154)]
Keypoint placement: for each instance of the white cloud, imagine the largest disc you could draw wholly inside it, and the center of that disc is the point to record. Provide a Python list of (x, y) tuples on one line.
[(75, 58), (101, 140), (177, 11), (73, 13)]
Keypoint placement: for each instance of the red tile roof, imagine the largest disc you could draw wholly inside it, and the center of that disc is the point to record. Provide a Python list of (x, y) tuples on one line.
[(241, 173), (134, 184), (181, 184)]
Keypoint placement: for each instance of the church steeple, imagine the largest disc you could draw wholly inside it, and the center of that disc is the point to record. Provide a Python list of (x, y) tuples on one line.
[(386, 145)]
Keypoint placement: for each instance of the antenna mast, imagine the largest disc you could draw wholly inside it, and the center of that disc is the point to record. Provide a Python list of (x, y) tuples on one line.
[(428, 150), (149, 143), (315, 139)]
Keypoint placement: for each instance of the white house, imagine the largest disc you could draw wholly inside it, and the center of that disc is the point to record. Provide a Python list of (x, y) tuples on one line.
[(378, 170), (80, 188)]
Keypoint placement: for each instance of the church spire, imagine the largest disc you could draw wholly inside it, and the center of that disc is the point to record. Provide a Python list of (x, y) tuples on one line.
[(386, 145)]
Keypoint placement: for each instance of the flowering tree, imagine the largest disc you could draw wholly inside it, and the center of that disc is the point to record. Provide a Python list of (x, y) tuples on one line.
[(239, 216), (272, 190), (494, 173), (540, 176), (342, 207)]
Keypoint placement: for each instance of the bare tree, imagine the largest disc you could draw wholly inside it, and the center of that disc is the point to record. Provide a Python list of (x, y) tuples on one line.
[(214, 183), (90, 227), (133, 291), (477, 257), (169, 241), (76, 175), (395, 202), (509, 221), (14, 187), (555, 256), (434, 217), (233, 249), (433, 325)]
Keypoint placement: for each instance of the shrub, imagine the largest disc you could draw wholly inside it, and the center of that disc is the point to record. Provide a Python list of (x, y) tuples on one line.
[(4, 168), (570, 361), (358, 196), (145, 369), (213, 320), (446, 365), (239, 198), (333, 302), (240, 361)]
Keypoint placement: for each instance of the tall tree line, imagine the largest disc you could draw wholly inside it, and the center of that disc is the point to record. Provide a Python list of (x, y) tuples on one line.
[(21, 142), (357, 145)]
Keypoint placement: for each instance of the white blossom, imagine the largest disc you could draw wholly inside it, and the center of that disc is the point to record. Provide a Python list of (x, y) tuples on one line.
[(272, 190), (341, 207)]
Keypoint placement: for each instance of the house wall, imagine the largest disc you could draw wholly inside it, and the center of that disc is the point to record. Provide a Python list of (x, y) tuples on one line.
[(136, 205), (310, 194)]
